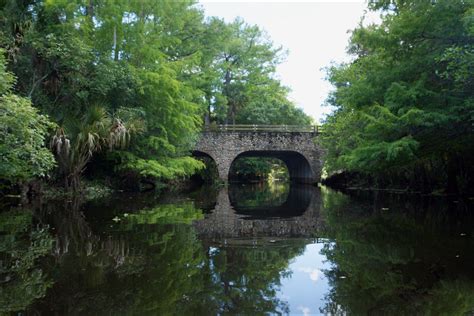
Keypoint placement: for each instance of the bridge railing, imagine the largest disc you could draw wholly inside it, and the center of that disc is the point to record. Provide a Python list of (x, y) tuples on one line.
[(264, 128)]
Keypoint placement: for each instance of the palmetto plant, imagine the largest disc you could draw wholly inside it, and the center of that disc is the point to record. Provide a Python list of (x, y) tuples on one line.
[(77, 140)]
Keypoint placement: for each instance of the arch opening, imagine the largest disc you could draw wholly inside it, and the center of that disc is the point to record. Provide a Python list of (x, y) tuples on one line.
[(298, 166), (264, 201), (258, 169), (210, 173)]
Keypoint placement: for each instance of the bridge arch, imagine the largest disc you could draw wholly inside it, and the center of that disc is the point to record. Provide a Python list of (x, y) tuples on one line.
[(202, 154), (211, 166), (298, 165), (298, 150)]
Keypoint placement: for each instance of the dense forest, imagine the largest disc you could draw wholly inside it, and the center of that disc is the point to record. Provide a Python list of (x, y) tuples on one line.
[(404, 106), (119, 91), (122, 88), (102, 100)]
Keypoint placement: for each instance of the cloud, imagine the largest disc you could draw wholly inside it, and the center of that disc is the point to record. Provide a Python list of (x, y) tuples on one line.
[(305, 310), (314, 273)]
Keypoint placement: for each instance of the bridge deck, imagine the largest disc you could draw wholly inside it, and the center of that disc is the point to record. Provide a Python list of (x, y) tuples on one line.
[(264, 128)]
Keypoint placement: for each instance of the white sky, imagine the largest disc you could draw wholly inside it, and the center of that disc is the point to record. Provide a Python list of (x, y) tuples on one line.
[(314, 32)]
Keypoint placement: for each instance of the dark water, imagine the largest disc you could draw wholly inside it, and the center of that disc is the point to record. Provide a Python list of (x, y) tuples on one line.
[(246, 250)]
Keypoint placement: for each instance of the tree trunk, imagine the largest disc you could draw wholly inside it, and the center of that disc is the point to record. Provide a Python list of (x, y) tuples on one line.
[(24, 189), (207, 115), (90, 9), (117, 38), (115, 44), (226, 91)]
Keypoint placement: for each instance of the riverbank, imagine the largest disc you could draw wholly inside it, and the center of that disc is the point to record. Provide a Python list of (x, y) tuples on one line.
[(353, 181)]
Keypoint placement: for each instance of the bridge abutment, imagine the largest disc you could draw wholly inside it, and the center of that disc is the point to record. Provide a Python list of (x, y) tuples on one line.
[(223, 167)]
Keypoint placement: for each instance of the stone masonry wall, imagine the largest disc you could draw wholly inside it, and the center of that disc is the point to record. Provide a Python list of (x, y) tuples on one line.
[(290, 147)]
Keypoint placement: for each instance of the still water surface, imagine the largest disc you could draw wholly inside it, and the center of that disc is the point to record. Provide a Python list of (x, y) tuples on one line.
[(245, 249)]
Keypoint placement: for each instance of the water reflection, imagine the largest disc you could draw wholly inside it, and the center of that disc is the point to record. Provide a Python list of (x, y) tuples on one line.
[(295, 216), (271, 200), (22, 242), (400, 259), (151, 261), (259, 195), (146, 262), (237, 250)]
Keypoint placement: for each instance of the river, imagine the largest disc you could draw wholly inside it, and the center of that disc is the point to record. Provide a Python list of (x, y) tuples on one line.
[(242, 249)]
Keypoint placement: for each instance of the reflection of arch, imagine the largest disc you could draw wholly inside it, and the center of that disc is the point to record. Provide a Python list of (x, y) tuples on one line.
[(298, 217), (298, 165), (296, 203)]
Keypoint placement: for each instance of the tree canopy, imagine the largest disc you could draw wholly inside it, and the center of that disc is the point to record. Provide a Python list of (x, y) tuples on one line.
[(405, 103), (156, 69), (23, 131)]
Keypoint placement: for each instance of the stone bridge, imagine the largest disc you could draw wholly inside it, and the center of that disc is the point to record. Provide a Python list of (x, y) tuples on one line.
[(296, 146)]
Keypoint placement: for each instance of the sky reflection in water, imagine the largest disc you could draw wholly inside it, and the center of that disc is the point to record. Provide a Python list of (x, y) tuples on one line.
[(306, 288)]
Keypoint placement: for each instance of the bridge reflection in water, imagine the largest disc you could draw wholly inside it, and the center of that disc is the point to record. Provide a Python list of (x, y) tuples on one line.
[(247, 212)]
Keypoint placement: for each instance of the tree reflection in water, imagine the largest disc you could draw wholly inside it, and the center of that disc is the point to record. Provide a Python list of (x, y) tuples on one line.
[(137, 255), (151, 261), (22, 244), (398, 261)]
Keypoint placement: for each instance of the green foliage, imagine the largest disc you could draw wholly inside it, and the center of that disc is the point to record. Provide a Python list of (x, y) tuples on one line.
[(164, 168), (240, 86), (268, 104), (258, 168), (404, 105), (252, 167), (165, 214), (93, 70), (7, 79), (96, 131), (154, 69), (23, 131), (22, 138)]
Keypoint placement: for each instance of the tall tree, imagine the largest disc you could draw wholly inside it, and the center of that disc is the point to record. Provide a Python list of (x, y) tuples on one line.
[(405, 104), (119, 58), (155, 67), (23, 131)]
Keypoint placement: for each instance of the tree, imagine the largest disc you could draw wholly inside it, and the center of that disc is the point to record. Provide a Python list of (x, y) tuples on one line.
[(269, 105), (75, 144), (86, 63), (404, 105), (238, 63), (23, 131)]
